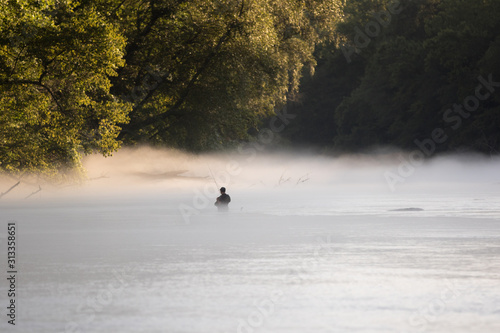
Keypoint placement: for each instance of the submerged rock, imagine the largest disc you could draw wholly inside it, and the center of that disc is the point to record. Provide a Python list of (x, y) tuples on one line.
[(410, 209)]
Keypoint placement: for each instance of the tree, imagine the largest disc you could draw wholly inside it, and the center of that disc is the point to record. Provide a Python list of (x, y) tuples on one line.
[(78, 77), (403, 80), (55, 62), (201, 73)]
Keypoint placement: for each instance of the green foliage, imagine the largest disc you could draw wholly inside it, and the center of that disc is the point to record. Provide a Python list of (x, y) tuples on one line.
[(201, 73), (55, 62), (400, 85), (78, 77)]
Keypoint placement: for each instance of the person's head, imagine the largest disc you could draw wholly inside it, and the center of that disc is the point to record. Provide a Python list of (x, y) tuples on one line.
[(222, 190)]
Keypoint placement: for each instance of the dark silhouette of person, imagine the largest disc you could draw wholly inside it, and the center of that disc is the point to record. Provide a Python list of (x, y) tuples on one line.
[(223, 200)]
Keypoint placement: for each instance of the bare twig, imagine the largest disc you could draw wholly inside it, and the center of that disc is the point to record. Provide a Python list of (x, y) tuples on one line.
[(283, 179), (303, 179), (10, 189), (39, 189)]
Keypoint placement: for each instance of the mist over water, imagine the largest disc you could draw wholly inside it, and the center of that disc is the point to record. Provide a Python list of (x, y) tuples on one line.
[(290, 183), (130, 172), (279, 182), (140, 247)]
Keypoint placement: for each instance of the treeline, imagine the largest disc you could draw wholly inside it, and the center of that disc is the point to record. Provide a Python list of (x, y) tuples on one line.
[(403, 74), (86, 76), (79, 77)]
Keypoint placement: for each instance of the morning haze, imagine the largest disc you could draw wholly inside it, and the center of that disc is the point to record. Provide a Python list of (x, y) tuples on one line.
[(357, 141)]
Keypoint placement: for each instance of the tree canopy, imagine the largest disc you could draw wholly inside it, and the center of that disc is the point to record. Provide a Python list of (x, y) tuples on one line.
[(81, 77), (85, 76), (201, 73), (56, 59), (397, 85)]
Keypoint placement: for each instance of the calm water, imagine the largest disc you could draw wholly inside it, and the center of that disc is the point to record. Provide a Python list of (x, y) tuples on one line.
[(316, 261), (311, 244)]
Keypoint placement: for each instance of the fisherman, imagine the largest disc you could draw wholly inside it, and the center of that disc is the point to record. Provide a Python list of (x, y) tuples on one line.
[(223, 200)]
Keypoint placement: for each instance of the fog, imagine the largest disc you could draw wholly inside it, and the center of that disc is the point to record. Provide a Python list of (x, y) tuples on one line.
[(142, 171), (378, 242), (275, 182)]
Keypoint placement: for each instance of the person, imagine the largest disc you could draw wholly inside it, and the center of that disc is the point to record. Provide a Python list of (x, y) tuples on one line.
[(223, 200)]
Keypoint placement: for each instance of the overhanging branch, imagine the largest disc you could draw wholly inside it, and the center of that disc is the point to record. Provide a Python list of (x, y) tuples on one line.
[(174, 110), (36, 83)]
